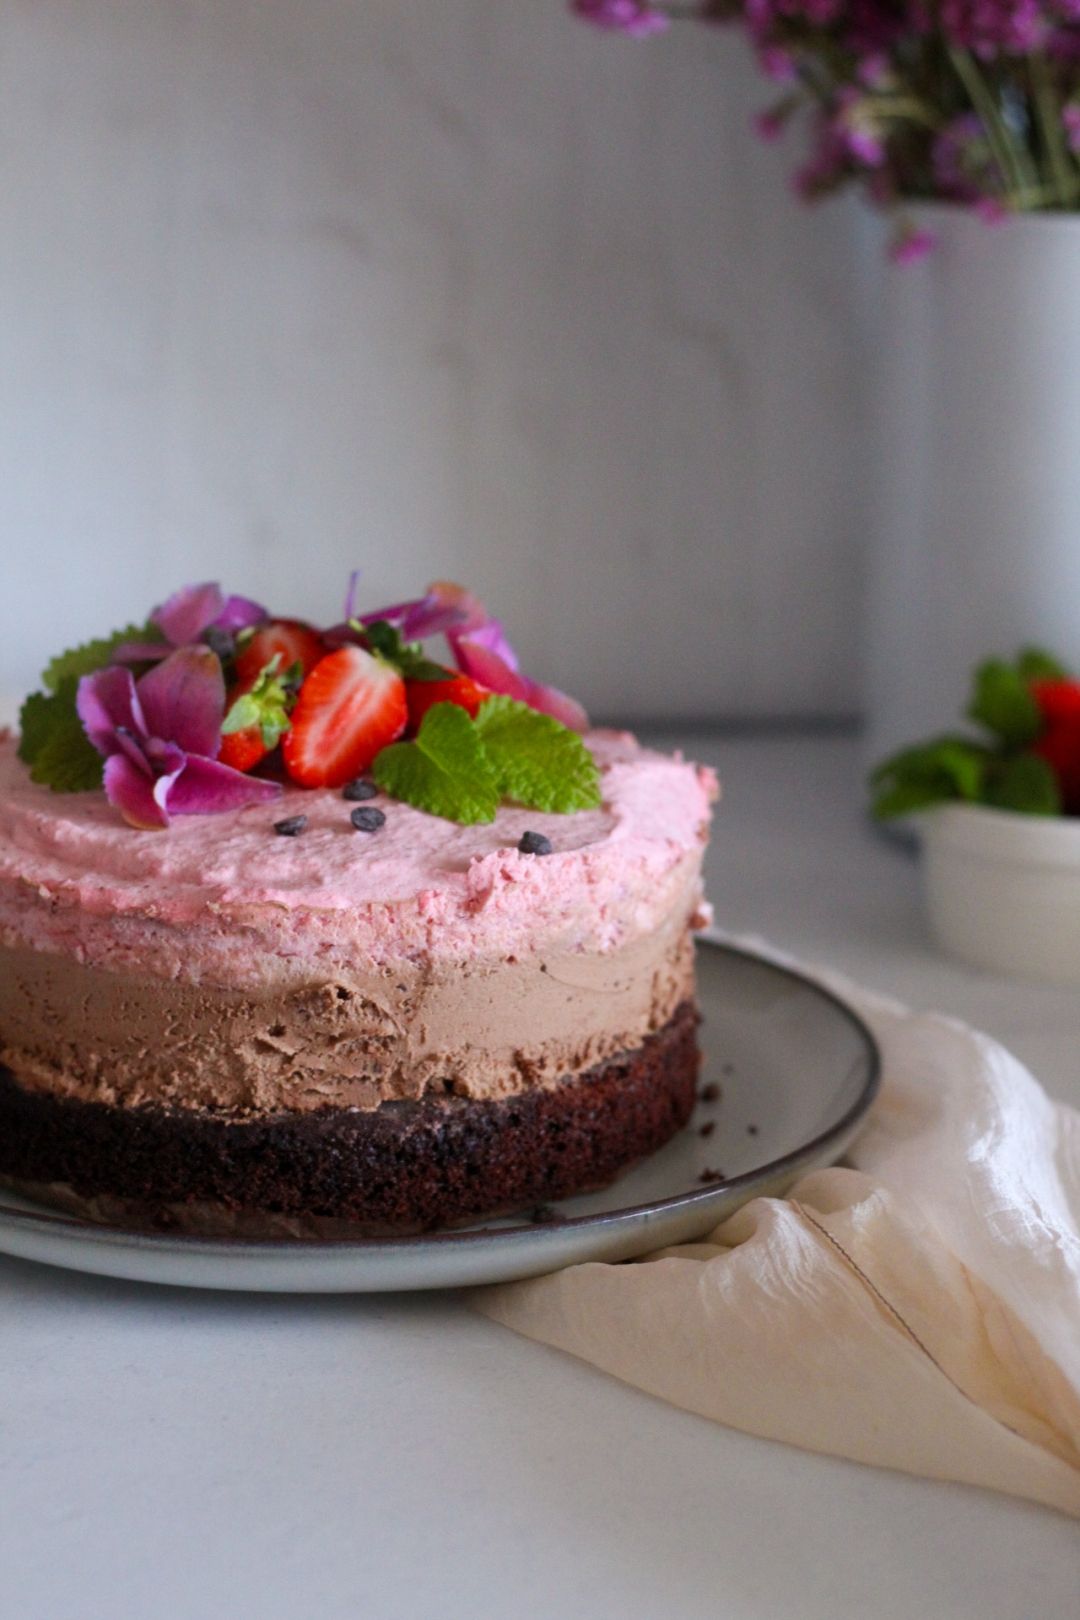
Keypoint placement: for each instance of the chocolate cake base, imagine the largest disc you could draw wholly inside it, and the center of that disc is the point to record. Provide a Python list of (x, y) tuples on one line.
[(405, 1166)]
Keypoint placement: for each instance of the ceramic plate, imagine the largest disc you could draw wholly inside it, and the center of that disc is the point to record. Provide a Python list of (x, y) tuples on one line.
[(796, 1070)]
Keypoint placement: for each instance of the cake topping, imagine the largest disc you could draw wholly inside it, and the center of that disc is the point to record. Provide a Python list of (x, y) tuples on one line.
[(367, 819), (291, 827), (212, 702), (534, 843)]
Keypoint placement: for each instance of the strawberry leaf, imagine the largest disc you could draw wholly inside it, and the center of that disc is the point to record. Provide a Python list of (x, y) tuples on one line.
[(94, 654), (537, 761), (444, 771), (1034, 664), (407, 657), (53, 743), (267, 705)]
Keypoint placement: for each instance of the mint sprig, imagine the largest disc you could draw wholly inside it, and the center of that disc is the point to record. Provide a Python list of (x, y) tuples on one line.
[(462, 769), (53, 743), (537, 761), (444, 771), (91, 655)]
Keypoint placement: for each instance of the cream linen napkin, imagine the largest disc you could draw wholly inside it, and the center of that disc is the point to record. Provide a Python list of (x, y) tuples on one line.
[(920, 1311)]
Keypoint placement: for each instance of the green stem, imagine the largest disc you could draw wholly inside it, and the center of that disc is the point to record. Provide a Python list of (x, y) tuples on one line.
[(1006, 152), (1048, 112)]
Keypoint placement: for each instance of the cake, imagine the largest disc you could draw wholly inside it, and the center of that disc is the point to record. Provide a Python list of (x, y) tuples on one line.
[(313, 1005)]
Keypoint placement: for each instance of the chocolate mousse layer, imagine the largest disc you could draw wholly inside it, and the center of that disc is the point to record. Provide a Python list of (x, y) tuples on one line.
[(405, 1165)]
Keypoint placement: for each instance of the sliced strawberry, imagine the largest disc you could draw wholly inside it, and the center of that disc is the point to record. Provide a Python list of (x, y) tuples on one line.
[(290, 640), (350, 707), (460, 689)]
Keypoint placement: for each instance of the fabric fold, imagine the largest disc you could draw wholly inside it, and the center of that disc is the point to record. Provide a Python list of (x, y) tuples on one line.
[(920, 1311)]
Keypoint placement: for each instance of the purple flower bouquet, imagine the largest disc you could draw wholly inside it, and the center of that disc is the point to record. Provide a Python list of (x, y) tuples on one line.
[(969, 102)]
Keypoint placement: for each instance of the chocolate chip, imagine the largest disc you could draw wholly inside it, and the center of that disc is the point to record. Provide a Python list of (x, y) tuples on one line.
[(711, 1175), (709, 1093), (532, 843), (360, 789), (367, 820), (291, 827), (708, 1128), (751, 1130)]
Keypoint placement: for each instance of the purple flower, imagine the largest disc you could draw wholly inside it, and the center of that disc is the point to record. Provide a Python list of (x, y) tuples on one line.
[(911, 244), (479, 647), (186, 617), (160, 736), (631, 17)]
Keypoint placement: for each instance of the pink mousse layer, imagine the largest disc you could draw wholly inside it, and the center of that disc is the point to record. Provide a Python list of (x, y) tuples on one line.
[(224, 900)]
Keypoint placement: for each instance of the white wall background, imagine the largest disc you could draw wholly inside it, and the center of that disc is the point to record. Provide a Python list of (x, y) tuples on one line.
[(432, 287)]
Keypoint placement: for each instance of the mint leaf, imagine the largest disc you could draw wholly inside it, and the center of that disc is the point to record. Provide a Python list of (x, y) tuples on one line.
[(53, 743), (445, 771), (1034, 664), (94, 654), (537, 761), (1002, 702), (406, 656), (948, 768), (1025, 783)]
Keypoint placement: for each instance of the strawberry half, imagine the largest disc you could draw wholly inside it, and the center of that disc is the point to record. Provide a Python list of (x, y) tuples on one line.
[(349, 708), (460, 689), (289, 640)]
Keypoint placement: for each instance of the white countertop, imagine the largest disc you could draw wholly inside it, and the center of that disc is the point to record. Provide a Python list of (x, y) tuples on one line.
[(195, 1456)]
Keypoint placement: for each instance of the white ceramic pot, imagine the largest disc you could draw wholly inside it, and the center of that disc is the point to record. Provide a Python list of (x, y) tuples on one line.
[(975, 543), (1003, 890)]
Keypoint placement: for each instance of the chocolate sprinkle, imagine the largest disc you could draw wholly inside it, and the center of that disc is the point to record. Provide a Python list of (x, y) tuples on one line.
[(708, 1128), (545, 1215), (709, 1093), (751, 1130), (534, 843), (360, 789), (711, 1175), (291, 827), (367, 820)]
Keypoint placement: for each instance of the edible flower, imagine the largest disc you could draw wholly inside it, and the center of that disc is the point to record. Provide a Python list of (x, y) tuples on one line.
[(159, 737), (479, 646), (191, 614)]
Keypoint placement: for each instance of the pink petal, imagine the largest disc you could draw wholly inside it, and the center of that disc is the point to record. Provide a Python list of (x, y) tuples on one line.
[(140, 652), (205, 787), (443, 607), (239, 613), (549, 700), (132, 793), (488, 666), (188, 613), (105, 700), (183, 700), (490, 635)]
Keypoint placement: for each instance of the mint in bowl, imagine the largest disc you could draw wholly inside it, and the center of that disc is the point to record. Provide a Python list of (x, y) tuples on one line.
[(998, 814)]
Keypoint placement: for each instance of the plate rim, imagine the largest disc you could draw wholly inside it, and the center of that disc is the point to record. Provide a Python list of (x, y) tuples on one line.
[(462, 1239)]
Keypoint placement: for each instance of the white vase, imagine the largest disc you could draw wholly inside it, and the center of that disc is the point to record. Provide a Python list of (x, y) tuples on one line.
[(975, 548)]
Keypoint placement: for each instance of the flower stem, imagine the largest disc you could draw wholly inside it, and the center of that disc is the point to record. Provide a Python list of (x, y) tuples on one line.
[(1066, 183), (1018, 184)]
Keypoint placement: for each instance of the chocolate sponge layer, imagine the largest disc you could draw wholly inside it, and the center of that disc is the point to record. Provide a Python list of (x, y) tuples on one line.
[(404, 1166)]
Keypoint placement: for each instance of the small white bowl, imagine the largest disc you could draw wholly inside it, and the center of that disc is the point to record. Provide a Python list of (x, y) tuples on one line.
[(1003, 890)]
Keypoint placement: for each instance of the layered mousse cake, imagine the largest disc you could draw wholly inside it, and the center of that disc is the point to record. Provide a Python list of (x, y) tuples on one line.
[(418, 961)]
